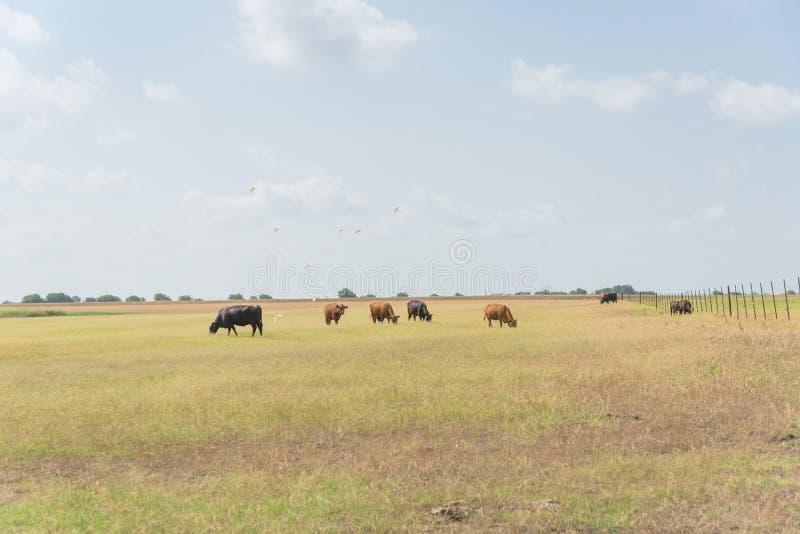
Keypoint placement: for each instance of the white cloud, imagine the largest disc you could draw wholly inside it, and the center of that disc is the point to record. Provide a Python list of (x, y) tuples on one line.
[(27, 99), (21, 27), (161, 92), (31, 177), (713, 213), (758, 104), (288, 33), (309, 196), (554, 83), (115, 137)]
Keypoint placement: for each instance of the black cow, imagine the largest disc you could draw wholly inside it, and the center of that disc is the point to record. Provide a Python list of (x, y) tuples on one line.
[(232, 316), (680, 306), (417, 308), (608, 297)]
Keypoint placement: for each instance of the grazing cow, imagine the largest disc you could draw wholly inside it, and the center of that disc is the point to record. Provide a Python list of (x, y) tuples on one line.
[(417, 308), (608, 297), (232, 316), (380, 310), (680, 306), (334, 312), (499, 312)]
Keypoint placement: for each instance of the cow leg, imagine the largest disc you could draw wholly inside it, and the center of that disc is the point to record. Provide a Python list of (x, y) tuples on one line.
[(234, 331), (254, 330), (229, 331), (327, 320), (260, 328), (490, 323)]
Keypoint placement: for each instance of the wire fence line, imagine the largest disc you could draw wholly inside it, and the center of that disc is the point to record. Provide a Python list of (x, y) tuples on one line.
[(742, 301)]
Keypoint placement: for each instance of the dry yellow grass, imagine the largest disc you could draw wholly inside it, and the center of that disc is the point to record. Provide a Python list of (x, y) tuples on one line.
[(625, 420)]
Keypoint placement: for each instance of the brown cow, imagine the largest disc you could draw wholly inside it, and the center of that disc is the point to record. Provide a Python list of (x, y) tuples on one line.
[(333, 312), (499, 312), (380, 310)]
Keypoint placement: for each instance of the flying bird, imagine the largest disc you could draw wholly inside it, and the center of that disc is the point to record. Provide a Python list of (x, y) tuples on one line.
[(278, 316), (341, 229), (252, 189), (397, 210), (276, 228), (307, 265), (358, 231)]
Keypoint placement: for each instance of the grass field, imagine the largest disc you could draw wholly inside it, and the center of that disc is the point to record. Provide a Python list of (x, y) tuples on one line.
[(586, 417)]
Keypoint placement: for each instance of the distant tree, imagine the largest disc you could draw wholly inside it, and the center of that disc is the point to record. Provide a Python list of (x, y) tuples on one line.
[(185, 297), (253, 297), (370, 296), (579, 291), (108, 298), (161, 297), (458, 295), (90, 299), (76, 298), (235, 296), (434, 294), (791, 292), (522, 293), (58, 297), (347, 293), (134, 298), (33, 298), (402, 294), (264, 296)]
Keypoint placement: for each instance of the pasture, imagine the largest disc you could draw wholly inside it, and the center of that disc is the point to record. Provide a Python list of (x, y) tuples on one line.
[(585, 417)]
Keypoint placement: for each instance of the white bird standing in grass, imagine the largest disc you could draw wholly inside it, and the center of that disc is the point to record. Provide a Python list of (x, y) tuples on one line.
[(278, 316)]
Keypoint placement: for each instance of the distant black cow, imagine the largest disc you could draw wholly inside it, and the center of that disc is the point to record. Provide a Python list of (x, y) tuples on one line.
[(232, 316), (417, 308), (680, 306), (608, 297)]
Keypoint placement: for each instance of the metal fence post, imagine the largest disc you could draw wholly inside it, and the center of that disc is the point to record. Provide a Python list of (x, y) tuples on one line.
[(736, 296), (763, 306), (753, 301), (774, 306), (730, 309), (786, 298), (744, 301)]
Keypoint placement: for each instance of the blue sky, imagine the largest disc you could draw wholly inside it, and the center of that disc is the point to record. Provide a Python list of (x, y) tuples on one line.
[(596, 143)]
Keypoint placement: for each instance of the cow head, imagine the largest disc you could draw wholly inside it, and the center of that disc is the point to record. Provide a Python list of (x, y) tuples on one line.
[(429, 317), (512, 323), (394, 318), (213, 328), (341, 308)]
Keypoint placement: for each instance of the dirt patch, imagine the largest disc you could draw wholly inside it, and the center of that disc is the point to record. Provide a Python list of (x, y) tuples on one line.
[(454, 511)]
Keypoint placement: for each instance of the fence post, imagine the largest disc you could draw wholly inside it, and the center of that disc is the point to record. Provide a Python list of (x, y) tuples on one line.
[(736, 296), (786, 298), (775, 307), (730, 308), (716, 302), (753, 301), (763, 306), (744, 301)]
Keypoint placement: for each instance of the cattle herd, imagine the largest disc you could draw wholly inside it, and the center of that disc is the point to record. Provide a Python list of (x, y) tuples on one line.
[(232, 316)]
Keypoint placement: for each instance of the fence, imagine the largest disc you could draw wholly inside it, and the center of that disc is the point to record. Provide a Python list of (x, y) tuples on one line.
[(723, 301)]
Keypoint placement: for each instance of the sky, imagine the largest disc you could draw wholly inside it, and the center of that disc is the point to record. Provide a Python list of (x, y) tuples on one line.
[(206, 148)]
